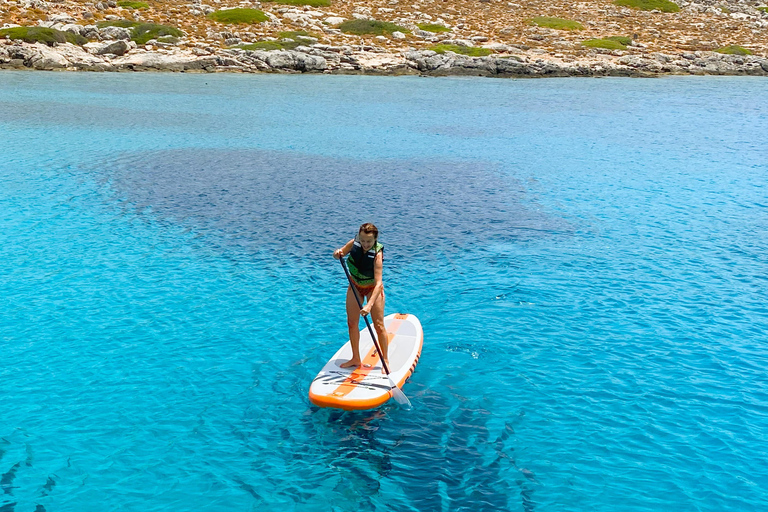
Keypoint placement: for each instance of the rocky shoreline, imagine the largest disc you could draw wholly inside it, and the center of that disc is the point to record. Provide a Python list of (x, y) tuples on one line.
[(681, 43), (120, 55)]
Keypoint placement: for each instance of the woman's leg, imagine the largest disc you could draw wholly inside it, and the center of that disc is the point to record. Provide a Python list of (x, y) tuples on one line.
[(353, 323), (377, 315)]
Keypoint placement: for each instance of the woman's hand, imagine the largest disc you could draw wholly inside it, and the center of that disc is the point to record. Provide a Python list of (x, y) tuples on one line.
[(338, 253), (366, 310)]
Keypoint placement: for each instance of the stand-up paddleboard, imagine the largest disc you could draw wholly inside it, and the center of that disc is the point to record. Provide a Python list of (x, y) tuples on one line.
[(366, 386)]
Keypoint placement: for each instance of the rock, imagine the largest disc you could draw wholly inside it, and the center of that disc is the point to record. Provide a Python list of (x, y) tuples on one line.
[(281, 60), (46, 58), (459, 42), (360, 16), (164, 62), (510, 67), (115, 33), (61, 18), (398, 35), (118, 48), (90, 32), (73, 28), (334, 20), (311, 62), (296, 61), (497, 47)]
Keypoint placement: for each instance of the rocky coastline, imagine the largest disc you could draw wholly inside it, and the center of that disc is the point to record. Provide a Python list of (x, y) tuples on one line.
[(514, 51), (369, 60)]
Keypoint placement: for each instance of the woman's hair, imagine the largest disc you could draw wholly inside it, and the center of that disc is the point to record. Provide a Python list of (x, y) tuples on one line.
[(369, 228)]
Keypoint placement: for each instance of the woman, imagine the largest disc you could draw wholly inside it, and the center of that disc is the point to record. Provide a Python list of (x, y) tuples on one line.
[(365, 261)]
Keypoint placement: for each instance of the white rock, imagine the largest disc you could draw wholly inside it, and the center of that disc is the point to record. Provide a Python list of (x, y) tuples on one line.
[(398, 35), (61, 18), (48, 58), (335, 20), (497, 47), (73, 28)]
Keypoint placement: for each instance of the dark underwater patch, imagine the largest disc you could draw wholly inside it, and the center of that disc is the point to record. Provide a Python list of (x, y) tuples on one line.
[(272, 201)]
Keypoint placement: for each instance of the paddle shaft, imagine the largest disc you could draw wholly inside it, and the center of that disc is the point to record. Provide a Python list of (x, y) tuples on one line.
[(365, 317)]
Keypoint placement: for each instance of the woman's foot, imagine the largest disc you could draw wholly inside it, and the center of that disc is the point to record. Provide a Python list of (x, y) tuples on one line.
[(383, 371), (352, 363)]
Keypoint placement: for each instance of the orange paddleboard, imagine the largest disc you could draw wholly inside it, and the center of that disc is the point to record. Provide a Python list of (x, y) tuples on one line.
[(367, 387)]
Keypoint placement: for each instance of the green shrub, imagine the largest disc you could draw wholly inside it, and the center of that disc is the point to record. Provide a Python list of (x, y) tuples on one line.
[(143, 32), (649, 5), (146, 31), (311, 3), (128, 4), (462, 50), (118, 23), (271, 45), (557, 23), (734, 50), (433, 27), (239, 16), (293, 34), (610, 43), (764, 9), (375, 27), (45, 35)]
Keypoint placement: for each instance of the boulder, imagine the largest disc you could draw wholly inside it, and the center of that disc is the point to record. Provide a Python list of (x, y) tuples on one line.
[(164, 62), (334, 20), (90, 31), (46, 58), (280, 60), (119, 47), (61, 18), (310, 63), (72, 28), (510, 67), (112, 33)]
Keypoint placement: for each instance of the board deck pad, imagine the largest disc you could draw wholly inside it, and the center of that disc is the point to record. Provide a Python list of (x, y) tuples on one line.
[(366, 386)]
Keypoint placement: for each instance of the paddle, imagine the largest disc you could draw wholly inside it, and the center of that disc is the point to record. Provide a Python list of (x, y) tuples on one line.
[(397, 393)]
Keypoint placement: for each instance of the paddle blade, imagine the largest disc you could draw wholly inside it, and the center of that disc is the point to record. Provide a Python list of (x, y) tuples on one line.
[(400, 397)]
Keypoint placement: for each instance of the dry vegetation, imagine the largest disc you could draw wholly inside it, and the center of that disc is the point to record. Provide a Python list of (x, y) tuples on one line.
[(697, 26)]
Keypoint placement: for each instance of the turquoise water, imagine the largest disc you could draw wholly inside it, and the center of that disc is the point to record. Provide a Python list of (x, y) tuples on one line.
[(588, 258)]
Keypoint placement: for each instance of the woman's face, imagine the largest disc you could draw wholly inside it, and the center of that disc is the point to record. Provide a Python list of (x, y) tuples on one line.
[(367, 240)]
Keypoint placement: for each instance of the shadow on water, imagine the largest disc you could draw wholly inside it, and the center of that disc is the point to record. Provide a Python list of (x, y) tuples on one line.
[(441, 456), (252, 201), (453, 462), (7, 479)]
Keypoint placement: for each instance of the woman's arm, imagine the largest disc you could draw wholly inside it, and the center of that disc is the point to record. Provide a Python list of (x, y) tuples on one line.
[(343, 251), (377, 266)]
